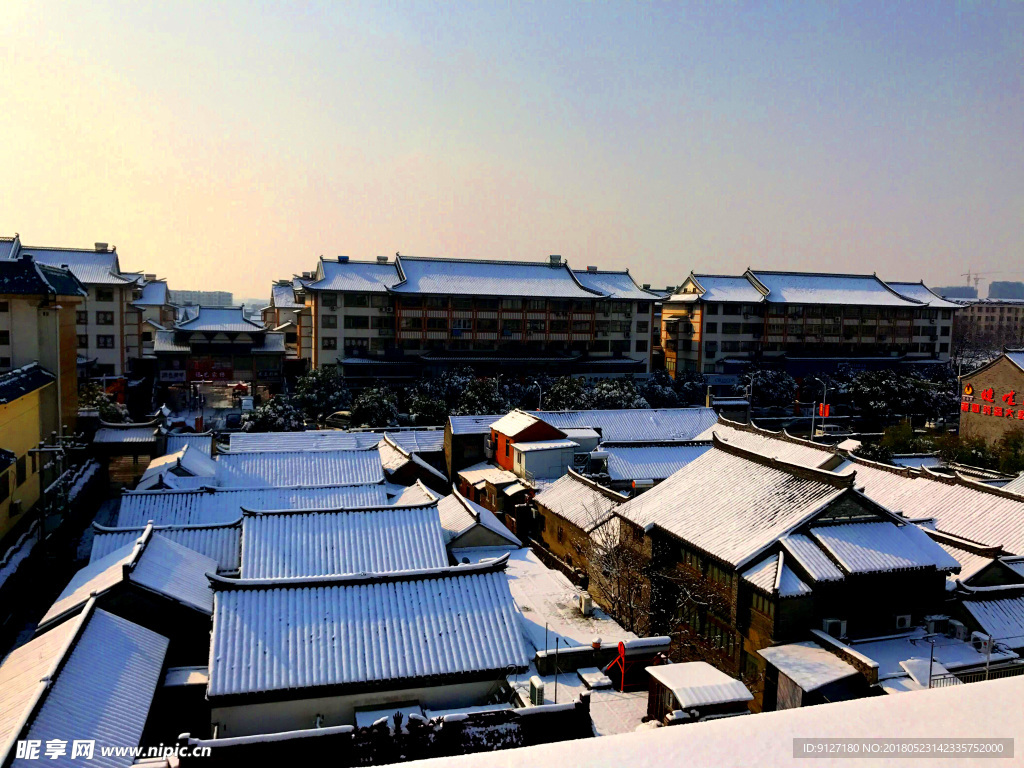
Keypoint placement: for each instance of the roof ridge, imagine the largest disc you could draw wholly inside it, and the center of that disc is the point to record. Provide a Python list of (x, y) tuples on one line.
[(222, 584), (799, 470), (247, 512), (163, 527), (608, 493)]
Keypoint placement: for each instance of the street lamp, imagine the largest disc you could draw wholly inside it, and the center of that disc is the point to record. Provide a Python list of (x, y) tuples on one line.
[(540, 393)]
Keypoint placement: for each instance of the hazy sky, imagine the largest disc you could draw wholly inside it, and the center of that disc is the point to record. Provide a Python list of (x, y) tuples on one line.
[(223, 145)]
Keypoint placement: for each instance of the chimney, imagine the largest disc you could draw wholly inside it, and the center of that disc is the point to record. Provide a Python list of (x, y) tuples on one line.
[(591, 269), (647, 286), (342, 259), (101, 247), (555, 261), (382, 259)]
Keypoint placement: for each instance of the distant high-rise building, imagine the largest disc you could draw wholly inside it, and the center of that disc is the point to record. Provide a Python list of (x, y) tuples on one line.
[(1005, 289), (203, 298), (958, 292)]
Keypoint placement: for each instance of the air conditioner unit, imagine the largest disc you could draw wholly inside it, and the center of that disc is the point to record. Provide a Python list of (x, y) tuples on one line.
[(982, 643), (903, 621), (389, 309), (586, 604), (536, 691), (834, 627), (957, 630), (937, 625)]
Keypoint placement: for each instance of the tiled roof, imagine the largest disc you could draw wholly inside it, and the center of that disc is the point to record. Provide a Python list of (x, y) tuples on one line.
[(922, 293), (815, 563), (309, 468), (582, 502), (164, 341), (124, 435), (1016, 485), (442, 624), (765, 576), (189, 460), (633, 425), (355, 276), (283, 297), (822, 288), (21, 381), (808, 664), (220, 542), (9, 247), (202, 442), (484, 472), (459, 515), (728, 288), (882, 547), (1000, 613), (152, 561), (544, 445), (272, 343), (467, 277), (106, 673), (224, 505), (219, 320), (329, 543), (472, 425), (28, 278), (515, 422), (420, 440), (730, 505), (311, 440), (615, 285), (650, 462), (90, 266), (154, 294)]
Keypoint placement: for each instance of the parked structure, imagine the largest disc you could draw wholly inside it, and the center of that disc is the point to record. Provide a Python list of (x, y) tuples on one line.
[(799, 319)]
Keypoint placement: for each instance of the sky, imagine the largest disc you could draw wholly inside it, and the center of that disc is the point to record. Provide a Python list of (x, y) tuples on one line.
[(225, 145)]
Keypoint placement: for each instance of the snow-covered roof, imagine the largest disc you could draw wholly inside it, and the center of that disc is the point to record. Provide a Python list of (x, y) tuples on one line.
[(767, 739), (823, 288), (21, 381), (472, 425), (615, 285), (443, 624), (767, 577), (119, 435), (92, 678), (354, 276), (219, 320), (25, 277), (310, 440), (1016, 485), (580, 501), (879, 547), (544, 445), (637, 425), (283, 297), (411, 496), (808, 664), (650, 462), (187, 460), (459, 516), (698, 684), (220, 542), (731, 505), (484, 472), (922, 293), (164, 341), (890, 652), (513, 423), (470, 277), (272, 343), (1000, 613), (727, 288), (200, 441), (810, 557), (152, 561), (419, 440), (279, 545), (90, 266), (224, 505), (285, 468), (154, 294)]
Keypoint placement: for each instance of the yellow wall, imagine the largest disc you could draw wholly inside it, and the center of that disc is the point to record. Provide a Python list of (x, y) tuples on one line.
[(20, 431)]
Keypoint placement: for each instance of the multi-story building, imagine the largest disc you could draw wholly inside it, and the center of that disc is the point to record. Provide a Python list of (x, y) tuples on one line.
[(992, 398), (389, 317), (288, 314), (203, 298), (802, 320), (993, 322), (38, 307), (108, 327), (157, 311)]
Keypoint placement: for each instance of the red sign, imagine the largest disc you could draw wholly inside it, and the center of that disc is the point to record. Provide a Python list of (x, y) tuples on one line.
[(823, 409), (992, 410)]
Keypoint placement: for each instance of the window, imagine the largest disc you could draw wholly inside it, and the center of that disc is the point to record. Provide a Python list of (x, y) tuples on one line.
[(561, 534), (330, 321), (620, 345), (146, 336), (536, 305), (641, 345), (22, 470), (462, 324), (104, 294), (330, 300), (379, 300), (329, 342), (762, 604), (357, 300), (357, 322), (81, 318), (638, 533), (944, 347), (104, 342), (643, 326), (462, 302), (387, 321), (512, 326), (5, 306), (711, 328), (5, 486), (559, 326), (5, 338), (535, 326), (412, 323), (487, 304), (487, 324), (5, 362), (512, 304), (731, 327), (437, 323), (643, 308), (104, 318), (581, 326), (508, 446), (711, 309)]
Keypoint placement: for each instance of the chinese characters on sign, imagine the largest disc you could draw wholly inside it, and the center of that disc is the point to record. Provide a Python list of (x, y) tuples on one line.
[(31, 749), (987, 406)]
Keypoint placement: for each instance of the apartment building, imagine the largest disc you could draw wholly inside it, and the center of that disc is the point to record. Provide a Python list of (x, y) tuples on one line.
[(157, 313), (288, 314), (718, 323), (107, 325), (995, 322), (393, 317)]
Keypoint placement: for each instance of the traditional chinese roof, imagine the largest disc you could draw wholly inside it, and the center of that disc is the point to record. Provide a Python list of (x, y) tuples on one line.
[(90, 266), (27, 277)]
